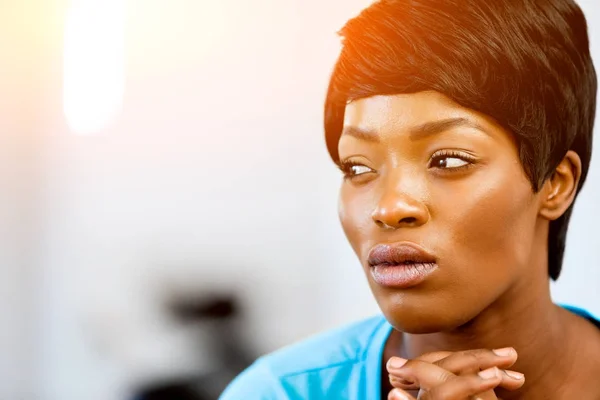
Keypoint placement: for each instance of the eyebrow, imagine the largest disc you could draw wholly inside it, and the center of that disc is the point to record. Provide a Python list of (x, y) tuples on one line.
[(418, 132)]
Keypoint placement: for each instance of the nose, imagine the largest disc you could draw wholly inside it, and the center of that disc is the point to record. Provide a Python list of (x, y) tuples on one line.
[(397, 209)]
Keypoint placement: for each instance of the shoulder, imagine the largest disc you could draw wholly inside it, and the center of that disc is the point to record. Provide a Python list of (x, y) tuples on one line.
[(343, 347), (583, 313), (256, 382)]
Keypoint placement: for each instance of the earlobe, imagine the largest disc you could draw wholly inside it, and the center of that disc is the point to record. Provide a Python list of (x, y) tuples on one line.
[(560, 189)]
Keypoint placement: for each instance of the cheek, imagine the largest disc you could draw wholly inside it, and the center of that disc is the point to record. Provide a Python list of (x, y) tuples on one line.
[(492, 224), (354, 210)]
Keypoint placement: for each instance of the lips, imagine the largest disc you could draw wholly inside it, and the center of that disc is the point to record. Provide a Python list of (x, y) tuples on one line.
[(400, 265)]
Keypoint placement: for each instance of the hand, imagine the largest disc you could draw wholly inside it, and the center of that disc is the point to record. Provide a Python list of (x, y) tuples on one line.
[(455, 376)]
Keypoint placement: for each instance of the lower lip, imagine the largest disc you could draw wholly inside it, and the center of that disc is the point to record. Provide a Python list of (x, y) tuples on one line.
[(402, 276)]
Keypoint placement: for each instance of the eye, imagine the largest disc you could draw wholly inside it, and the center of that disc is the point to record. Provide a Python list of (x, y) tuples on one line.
[(352, 169), (451, 160), (359, 169), (448, 162)]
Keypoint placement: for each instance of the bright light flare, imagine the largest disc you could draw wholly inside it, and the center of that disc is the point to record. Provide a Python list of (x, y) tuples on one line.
[(94, 64)]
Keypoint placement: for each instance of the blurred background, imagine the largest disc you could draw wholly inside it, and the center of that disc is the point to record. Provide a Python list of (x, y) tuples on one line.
[(168, 210)]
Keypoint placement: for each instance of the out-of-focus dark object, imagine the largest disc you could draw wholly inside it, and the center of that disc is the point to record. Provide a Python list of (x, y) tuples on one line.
[(215, 308), (218, 315), (183, 390)]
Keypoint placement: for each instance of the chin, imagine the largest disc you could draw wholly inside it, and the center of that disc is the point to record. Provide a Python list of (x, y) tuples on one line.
[(422, 316), (418, 325)]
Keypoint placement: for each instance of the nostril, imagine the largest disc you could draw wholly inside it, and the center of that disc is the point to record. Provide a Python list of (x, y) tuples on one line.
[(408, 220)]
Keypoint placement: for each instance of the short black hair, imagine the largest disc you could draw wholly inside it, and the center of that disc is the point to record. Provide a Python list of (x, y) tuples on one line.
[(525, 63)]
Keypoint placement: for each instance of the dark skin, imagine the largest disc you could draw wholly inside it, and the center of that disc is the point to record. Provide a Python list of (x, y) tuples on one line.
[(421, 168), (457, 375)]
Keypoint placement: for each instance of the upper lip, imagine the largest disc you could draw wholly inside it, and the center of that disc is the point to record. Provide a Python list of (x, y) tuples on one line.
[(399, 253)]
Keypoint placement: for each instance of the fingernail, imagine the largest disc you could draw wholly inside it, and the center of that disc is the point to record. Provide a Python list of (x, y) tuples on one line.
[(398, 395), (490, 373), (515, 375), (396, 362), (505, 352)]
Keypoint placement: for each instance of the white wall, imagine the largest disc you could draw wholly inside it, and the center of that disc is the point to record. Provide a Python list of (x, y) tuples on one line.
[(21, 83), (215, 175)]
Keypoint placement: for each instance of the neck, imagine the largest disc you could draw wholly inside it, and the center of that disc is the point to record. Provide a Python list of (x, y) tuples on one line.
[(524, 318)]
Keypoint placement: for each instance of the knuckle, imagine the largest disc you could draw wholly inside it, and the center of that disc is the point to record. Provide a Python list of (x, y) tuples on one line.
[(474, 358), (477, 358), (434, 355), (443, 376), (480, 353), (456, 388), (460, 363)]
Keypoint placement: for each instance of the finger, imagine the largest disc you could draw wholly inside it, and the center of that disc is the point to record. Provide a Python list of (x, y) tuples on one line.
[(473, 361), (465, 387), (417, 374), (434, 356), (462, 363), (402, 383), (392, 366), (512, 380), (398, 394)]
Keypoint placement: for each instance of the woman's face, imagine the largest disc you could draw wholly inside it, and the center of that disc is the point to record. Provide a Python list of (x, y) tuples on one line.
[(437, 206)]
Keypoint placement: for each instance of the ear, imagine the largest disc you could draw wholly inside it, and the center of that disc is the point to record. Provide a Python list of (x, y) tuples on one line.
[(558, 192)]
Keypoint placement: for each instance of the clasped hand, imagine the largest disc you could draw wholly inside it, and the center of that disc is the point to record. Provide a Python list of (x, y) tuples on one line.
[(464, 375)]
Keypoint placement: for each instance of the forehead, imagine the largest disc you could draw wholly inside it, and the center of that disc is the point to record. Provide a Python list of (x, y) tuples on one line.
[(402, 111)]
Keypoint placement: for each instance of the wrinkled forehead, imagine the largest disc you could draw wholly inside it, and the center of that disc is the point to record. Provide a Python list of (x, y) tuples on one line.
[(402, 111)]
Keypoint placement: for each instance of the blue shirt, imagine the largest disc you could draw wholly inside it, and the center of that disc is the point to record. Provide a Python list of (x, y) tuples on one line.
[(341, 364)]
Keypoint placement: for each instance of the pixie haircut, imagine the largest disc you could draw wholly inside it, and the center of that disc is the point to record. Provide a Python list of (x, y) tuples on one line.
[(525, 63)]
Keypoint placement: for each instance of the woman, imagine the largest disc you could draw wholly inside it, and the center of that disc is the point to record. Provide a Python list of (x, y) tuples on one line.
[(464, 132)]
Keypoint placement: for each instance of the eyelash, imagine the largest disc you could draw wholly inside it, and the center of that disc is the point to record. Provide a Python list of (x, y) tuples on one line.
[(346, 168), (346, 165), (470, 160)]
